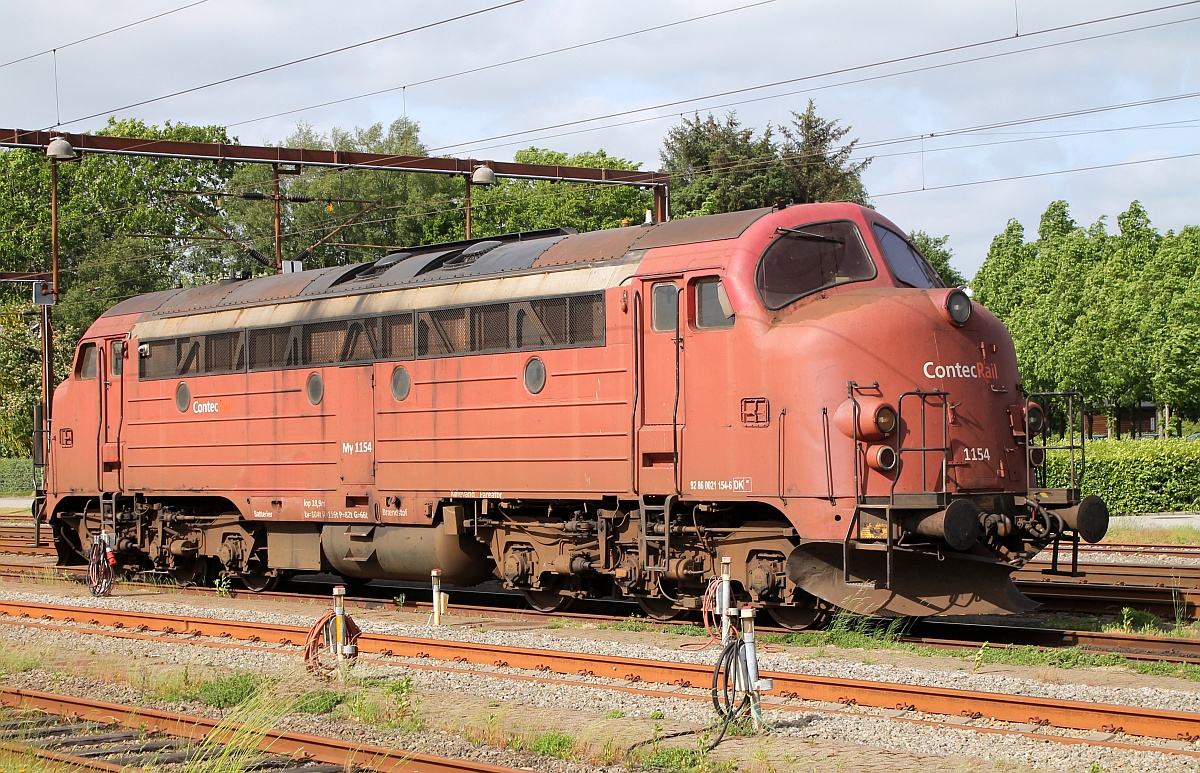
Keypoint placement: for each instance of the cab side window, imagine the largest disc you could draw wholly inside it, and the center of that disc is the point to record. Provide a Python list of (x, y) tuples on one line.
[(713, 310), (665, 308), (117, 352), (85, 363), (909, 265)]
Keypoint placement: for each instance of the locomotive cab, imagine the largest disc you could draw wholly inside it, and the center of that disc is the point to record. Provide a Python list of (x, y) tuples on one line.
[(928, 454)]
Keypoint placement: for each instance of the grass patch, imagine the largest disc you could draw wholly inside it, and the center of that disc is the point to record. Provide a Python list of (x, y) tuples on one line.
[(15, 661), (384, 702), (221, 692), (319, 702), (682, 759), (634, 624), (1153, 535), (849, 631), (554, 744)]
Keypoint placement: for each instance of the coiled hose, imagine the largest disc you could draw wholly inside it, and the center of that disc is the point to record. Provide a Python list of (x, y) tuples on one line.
[(100, 571), (322, 637)]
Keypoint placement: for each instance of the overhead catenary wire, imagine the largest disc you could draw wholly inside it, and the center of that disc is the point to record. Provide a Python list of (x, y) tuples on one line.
[(483, 68), (61, 46), (675, 104), (312, 57)]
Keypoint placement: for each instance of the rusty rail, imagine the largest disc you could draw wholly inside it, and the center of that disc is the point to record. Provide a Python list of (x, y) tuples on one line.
[(331, 750), (1077, 715)]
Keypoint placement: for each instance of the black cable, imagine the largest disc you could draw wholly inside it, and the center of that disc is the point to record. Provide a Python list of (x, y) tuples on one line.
[(730, 671), (100, 572), (272, 68), (102, 34), (505, 63), (828, 73)]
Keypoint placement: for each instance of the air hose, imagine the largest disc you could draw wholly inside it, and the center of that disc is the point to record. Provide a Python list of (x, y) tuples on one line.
[(324, 637), (100, 566)]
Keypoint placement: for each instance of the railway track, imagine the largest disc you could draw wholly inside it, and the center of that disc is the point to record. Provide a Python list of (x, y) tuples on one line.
[(932, 632), (82, 732), (1027, 716)]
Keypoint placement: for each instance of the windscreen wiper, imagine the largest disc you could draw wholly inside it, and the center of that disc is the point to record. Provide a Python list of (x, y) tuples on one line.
[(807, 235)]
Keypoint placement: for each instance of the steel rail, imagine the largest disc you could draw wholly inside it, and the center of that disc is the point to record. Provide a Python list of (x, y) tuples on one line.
[(1076, 715), (376, 758), (703, 696), (1156, 575), (954, 635), (1163, 601)]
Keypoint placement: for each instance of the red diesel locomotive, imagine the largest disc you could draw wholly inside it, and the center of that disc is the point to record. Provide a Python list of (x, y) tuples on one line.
[(604, 413)]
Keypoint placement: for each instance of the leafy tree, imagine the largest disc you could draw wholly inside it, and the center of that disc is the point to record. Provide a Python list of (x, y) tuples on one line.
[(511, 206), (1116, 317), (103, 201), (719, 166), (939, 256), (404, 201)]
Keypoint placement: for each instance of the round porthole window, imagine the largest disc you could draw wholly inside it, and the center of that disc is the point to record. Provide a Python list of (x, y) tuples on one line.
[(183, 397), (401, 383), (315, 388), (535, 375)]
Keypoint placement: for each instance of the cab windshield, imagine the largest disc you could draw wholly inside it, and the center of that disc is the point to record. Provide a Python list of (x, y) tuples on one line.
[(909, 265), (809, 258)]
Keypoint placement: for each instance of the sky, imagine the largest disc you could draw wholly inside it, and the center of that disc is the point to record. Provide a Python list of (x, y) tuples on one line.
[(974, 112)]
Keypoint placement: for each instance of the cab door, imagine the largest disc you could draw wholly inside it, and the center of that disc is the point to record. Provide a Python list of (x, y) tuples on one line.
[(75, 432), (662, 409), (111, 366)]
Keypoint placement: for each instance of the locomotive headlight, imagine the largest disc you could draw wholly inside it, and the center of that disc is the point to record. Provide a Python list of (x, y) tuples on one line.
[(866, 418), (958, 307), (1035, 419), (885, 419)]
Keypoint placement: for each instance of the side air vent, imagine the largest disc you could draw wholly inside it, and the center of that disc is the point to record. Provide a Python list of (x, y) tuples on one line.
[(471, 254), (383, 264)]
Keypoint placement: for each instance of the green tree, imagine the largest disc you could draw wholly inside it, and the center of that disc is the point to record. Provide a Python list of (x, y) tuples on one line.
[(939, 256), (404, 201), (719, 166), (104, 200), (512, 206), (1116, 317)]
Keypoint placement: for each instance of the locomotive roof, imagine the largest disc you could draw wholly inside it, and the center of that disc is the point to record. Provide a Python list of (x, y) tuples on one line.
[(539, 251)]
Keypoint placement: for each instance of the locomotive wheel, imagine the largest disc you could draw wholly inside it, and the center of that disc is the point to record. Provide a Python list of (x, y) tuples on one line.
[(193, 570), (256, 582), (659, 608), (807, 614), (547, 601)]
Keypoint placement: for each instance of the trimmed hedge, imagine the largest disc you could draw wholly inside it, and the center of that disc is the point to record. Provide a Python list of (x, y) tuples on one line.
[(1138, 476), (16, 476)]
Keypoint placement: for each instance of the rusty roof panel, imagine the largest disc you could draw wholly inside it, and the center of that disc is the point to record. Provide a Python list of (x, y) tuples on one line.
[(594, 246), (276, 287), (728, 225), (202, 297), (140, 304)]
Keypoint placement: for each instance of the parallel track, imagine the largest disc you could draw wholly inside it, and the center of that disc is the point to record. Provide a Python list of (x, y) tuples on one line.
[(1022, 710), (348, 755), (934, 632)]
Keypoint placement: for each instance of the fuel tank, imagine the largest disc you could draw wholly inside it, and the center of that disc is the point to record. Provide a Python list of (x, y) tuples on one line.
[(379, 552)]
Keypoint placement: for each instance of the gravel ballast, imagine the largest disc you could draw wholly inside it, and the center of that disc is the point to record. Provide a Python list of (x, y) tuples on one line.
[(490, 707)]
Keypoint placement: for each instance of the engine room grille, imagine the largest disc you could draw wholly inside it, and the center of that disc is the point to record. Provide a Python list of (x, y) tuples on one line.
[(543, 323)]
